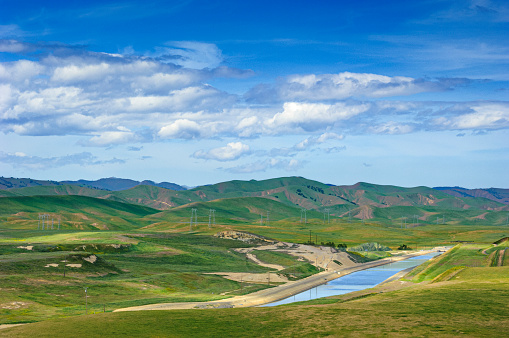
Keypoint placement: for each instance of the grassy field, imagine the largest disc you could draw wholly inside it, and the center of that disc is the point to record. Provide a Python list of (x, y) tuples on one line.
[(474, 304), (127, 270)]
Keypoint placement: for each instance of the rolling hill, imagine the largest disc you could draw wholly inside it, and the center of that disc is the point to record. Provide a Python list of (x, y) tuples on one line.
[(362, 201), (74, 212), (494, 194)]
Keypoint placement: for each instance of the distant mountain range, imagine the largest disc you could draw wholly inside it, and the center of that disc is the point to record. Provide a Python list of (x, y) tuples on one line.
[(281, 195), (111, 183), (298, 191)]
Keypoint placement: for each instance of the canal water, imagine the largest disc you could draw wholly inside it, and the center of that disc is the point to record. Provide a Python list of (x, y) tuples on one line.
[(356, 281)]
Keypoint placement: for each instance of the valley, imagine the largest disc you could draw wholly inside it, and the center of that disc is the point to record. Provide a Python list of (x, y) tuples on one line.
[(129, 253)]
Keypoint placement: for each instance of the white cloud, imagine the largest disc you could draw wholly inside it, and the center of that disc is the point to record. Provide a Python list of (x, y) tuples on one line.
[(112, 138), (484, 116), (312, 141), (392, 128), (71, 91), (23, 161), (181, 128), (232, 151), (345, 85), (20, 71), (314, 116)]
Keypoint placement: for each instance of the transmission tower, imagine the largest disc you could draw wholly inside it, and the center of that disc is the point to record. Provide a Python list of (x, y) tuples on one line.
[(326, 211), (194, 213), (212, 217), (303, 212)]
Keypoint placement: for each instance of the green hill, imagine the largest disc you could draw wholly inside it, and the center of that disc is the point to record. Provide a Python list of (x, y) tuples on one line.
[(363, 201), (80, 212), (242, 209)]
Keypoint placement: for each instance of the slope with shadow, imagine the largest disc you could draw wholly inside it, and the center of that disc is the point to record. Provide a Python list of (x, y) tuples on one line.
[(233, 210), (494, 194), (80, 212)]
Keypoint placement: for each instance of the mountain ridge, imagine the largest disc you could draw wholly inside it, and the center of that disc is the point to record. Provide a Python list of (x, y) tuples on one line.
[(110, 183)]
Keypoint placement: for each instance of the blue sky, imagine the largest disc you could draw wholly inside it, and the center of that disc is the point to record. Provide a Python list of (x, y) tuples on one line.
[(195, 92)]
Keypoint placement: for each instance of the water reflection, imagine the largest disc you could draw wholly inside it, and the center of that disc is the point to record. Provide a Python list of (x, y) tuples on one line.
[(356, 281)]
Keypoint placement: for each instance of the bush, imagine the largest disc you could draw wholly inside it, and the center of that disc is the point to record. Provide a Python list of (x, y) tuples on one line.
[(404, 247), (371, 247)]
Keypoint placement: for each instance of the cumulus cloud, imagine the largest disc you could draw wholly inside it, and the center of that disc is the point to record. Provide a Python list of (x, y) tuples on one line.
[(314, 116), (232, 151), (111, 99), (67, 90), (477, 116), (345, 85), (107, 138), (23, 161), (182, 128), (272, 163)]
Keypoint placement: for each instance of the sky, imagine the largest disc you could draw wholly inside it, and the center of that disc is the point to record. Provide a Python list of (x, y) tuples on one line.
[(406, 93)]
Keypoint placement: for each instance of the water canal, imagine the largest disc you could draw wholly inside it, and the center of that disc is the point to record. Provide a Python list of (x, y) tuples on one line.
[(356, 281)]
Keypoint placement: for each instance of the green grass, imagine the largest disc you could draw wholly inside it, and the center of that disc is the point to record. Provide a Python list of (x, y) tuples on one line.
[(464, 255), (129, 270), (274, 257), (474, 304)]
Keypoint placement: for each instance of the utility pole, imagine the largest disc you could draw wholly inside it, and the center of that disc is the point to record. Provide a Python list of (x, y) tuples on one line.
[(261, 219), (86, 301), (268, 222), (309, 236)]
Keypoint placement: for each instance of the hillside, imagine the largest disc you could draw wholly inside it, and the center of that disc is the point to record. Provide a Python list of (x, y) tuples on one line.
[(494, 194), (74, 212), (362, 201)]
